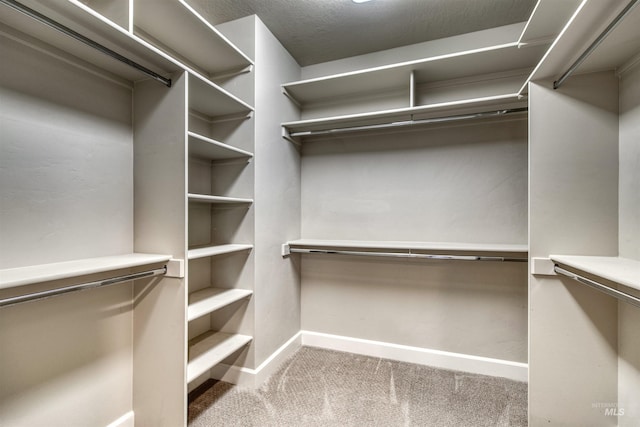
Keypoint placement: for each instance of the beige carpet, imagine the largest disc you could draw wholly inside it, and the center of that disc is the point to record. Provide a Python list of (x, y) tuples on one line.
[(328, 388)]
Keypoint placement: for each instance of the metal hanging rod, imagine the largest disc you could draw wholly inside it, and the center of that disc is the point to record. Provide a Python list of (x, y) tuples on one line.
[(599, 286), (409, 255), (74, 34), (595, 43), (484, 114), (74, 288)]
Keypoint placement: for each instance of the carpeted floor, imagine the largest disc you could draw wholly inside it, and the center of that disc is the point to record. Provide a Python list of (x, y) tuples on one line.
[(328, 388)]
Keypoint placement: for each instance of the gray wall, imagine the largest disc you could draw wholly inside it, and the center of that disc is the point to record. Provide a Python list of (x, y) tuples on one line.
[(629, 194), (449, 184), (277, 204)]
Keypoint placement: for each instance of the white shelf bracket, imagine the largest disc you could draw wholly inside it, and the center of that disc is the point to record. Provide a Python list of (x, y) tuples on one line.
[(288, 95), (286, 250), (287, 135), (543, 267), (175, 268)]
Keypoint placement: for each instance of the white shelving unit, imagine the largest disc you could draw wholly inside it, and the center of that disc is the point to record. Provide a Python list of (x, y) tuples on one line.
[(419, 90), (209, 300), (207, 350), (210, 251), (197, 42), (12, 277)]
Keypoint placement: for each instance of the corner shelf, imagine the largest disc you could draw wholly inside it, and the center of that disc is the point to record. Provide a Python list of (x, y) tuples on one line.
[(202, 198), (208, 251), (211, 348), (21, 276), (207, 148), (208, 300), (547, 21), (622, 271), (198, 42)]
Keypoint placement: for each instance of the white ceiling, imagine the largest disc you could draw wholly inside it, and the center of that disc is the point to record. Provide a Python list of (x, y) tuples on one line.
[(315, 31)]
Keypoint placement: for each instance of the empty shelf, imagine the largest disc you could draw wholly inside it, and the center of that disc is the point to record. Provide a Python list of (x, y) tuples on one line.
[(199, 42), (12, 277), (403, 246), (547, 20), (207, 350), (196, 253), (207, 148), (619, 270), (209, 300), (202, 198), (213, 101)]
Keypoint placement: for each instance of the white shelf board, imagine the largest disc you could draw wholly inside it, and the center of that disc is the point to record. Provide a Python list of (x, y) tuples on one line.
[(203, 147), (547, 20), (186, 33), (203, 198), (464, 106), (83, 20), (402, 245), (209, 300), (620, 270), (457, 65), (208, 251), (207, 350), (211, 100), (13, 277)]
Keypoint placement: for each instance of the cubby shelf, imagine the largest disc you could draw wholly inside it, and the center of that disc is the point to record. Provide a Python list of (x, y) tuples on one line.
[(211, 348), (208, 251), (207, 148), (208, 300), (619, 270), (212, 101), (198, 42), (202, 198), (458, 65), (13, 277)]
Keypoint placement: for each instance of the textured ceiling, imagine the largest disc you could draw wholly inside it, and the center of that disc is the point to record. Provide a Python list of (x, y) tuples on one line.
[(315, 31)]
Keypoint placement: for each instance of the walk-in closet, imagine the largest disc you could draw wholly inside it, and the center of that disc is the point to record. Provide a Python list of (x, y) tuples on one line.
[(202, 224)]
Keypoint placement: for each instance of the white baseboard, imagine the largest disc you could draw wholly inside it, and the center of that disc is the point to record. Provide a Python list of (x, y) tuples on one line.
[(436, 358), (127, 420), (255, 377), (439, 359)]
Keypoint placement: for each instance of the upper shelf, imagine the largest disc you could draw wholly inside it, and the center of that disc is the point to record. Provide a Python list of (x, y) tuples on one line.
[(619, 270), (547, 20), (13, 277), (181, 30), (457, 65), (211, 100), (84, 21)]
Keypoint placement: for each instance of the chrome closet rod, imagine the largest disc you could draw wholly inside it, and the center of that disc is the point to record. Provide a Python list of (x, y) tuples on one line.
[(599, 286), (408, 255), (444, 119), (595, 44), (74, 288), (74, 34)]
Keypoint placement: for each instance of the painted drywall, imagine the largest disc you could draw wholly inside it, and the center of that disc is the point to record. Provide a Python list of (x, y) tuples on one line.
[(66, 162), (66, 185), (629, 194), (573, 181), (277, 203)]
